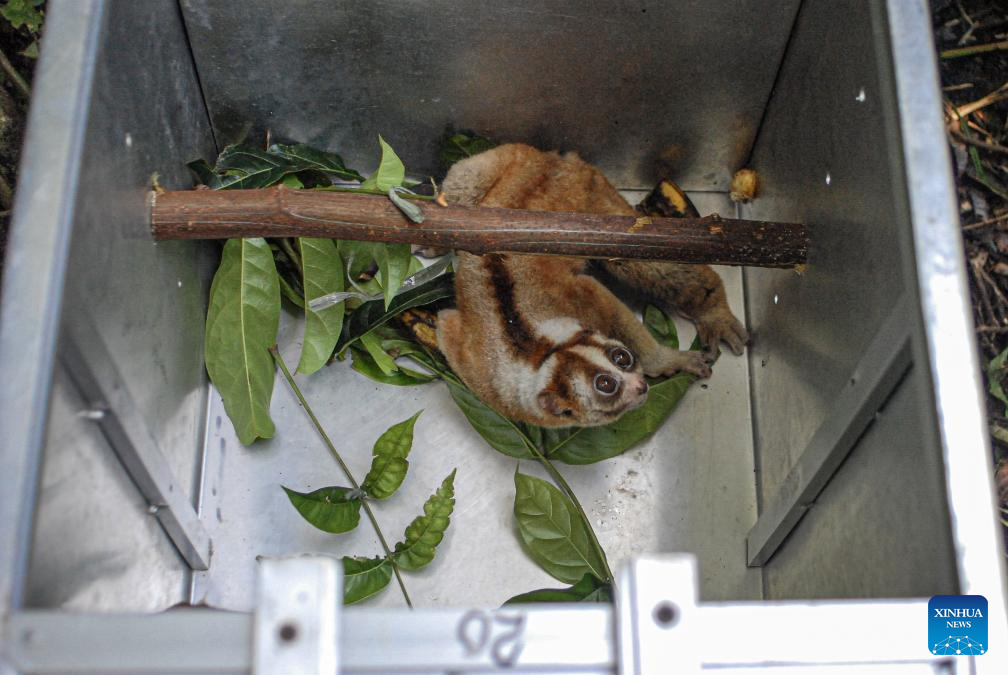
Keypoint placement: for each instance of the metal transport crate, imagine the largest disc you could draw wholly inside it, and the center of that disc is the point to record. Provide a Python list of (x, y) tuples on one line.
[(796, 513)]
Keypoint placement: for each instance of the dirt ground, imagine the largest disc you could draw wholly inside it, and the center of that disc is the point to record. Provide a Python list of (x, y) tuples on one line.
[(971, 37)]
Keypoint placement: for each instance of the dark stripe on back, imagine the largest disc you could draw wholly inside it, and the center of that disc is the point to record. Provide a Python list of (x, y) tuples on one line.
[(515, 326)]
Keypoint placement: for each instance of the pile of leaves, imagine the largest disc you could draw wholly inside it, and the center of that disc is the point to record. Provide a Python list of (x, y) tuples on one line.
[(972, 42), (349, 294)]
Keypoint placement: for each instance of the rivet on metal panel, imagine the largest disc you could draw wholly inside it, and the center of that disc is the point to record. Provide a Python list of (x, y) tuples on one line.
[(829, 179), (860, 98)]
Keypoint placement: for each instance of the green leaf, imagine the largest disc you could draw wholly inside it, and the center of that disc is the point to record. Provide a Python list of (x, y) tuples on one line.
[(23, 13), (501, 433), (241, 326), (207, 176), (393, 265), (389, 465), (258, 169), (372, 343), (996, 371), (390, 172), (358, 256), (372, 314), (589, 589), (322, 274), (364, 577), (330, 509), (661, 327), (459, 145), (305, 155), (365, 364), (553, 532), (426, 531)]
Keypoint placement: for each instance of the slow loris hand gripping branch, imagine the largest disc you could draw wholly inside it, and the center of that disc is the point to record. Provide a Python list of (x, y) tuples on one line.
[(539, 339)]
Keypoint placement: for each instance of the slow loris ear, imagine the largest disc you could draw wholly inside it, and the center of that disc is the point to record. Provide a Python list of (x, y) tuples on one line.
[(554, 405)]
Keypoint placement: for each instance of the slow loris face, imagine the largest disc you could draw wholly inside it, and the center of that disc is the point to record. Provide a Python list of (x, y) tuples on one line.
[(590, 380)]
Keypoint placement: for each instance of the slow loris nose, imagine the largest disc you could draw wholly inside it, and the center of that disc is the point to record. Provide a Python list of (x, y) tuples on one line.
[(642, 387)]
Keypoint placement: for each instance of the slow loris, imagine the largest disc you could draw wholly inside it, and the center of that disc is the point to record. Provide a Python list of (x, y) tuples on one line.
[(539, 339)]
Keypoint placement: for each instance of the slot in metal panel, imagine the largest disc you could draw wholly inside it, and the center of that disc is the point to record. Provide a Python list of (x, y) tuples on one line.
[(616, 82)]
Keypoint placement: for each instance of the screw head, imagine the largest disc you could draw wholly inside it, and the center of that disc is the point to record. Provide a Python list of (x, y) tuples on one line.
[(665, 614), (288, 631)]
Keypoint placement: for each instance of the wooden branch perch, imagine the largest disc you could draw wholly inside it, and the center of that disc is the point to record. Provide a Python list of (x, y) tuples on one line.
[(226, 214)]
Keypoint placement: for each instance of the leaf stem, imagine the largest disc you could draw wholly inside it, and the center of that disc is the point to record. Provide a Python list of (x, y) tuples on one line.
[(290, 292), (346, 470), (365, 191)]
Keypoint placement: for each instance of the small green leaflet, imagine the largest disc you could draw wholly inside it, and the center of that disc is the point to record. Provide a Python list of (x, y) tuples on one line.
[(589, 589), (385, 363), (393, 264), (552, 531), (390, 172), (426, 532), (330, 509), (996, 371), (365, 364), (389, 464), (242, 322), (661, 326), (364, 577), (501, 433), (322, 274)]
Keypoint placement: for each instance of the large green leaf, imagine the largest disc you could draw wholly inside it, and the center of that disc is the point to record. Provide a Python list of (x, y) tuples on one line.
[(329, 162), (501, 433), (589, 589), (364, 577), (393, 263), (390, 172), (426, 532), (258, 169), (388, 464), (372, 314), (553, 532), (330, 509), (322, 273), (241, 326)]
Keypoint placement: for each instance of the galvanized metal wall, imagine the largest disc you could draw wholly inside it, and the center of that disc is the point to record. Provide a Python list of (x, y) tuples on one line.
[(619, 82), (829, 154), (95, 544)]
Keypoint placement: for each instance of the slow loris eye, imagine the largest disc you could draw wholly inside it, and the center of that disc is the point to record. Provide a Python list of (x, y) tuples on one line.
[(621, 358), (606, 384)]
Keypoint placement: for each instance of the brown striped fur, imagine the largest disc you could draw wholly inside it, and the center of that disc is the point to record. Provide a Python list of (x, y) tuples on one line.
[(530, 334)]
